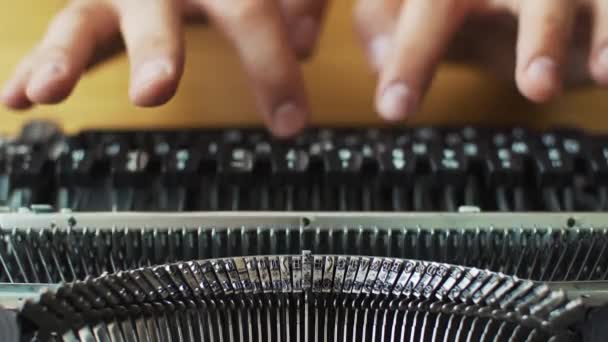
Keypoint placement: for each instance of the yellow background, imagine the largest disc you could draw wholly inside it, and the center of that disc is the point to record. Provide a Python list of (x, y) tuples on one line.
[(214, 93)]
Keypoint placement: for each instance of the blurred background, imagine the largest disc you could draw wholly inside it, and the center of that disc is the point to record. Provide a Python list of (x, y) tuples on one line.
[(214, 91)]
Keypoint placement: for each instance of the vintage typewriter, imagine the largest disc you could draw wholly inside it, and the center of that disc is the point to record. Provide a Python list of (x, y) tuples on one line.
[(388, 234)]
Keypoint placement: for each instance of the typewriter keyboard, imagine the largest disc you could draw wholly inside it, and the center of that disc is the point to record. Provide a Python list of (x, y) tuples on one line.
[(388, 170)]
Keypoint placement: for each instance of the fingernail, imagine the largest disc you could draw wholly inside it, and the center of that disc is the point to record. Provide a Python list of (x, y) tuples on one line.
[(379, 48), (47, 73), (288, 119), (397, 102), (304, 32), (152, 71), (542, 70)]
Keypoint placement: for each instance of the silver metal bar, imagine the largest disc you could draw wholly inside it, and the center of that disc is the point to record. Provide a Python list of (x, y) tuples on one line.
[(162, 221)]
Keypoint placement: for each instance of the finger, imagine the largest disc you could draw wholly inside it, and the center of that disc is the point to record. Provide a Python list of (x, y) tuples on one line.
[(423, 33), (13, 93), (154, 40), (304, 20), (544, 32), (375, 22), (599, 50), (257, 31), (53, 69)]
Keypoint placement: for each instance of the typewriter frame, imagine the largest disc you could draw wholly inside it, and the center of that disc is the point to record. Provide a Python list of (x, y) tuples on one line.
[(593, 293)]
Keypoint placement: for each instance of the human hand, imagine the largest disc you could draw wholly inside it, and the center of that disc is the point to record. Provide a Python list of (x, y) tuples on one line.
[(546, 42), (269, 37)]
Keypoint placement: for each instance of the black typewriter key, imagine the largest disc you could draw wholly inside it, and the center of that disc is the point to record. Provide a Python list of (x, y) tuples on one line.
[(233, 137), (343, 164), (289, 165), (424, 183), (235, 172), (198, 180), (522, 145), (180, 173), (259, 195), (504, 167), (371, 189), (79, 169), (235, 165), (449, 165), (181, 166), (290, 176), (402, 139), (159, 144), (130, 168), (580, 192), (395, 166), (26, 166), (598, 162), (505, 174), (343, 167), (555, 171), (132, 178), (452, 139), (427, 134), (30, 175), (76, 167), (474, 149), (370, 147), (554, 166)]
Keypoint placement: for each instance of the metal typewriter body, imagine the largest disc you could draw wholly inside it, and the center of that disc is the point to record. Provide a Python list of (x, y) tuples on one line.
[(491, 222)]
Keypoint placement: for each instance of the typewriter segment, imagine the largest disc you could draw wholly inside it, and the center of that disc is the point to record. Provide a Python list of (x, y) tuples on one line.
[(409, 234)]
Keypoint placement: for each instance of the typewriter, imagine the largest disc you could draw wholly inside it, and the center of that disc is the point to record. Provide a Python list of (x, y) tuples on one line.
[(388, 234)]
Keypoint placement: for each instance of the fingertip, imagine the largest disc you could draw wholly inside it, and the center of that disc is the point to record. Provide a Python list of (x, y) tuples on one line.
[(599, 67), (154, 83), (20, 103), (540, 80), (396, 102), (13, 96), (51, 83), (288, 120), (15, 101)]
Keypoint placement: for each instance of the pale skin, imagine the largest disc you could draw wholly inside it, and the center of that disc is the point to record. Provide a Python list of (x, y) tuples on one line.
[(540, 44)]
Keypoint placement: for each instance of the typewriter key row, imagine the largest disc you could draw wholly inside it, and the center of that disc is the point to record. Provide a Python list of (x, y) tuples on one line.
[(419, 169)]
